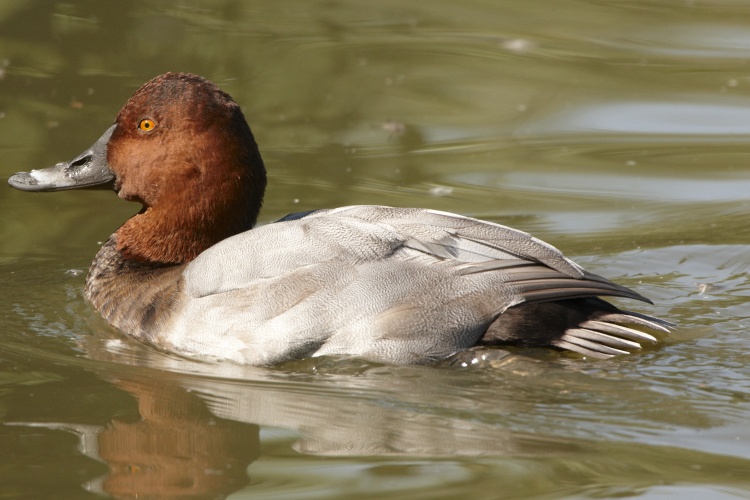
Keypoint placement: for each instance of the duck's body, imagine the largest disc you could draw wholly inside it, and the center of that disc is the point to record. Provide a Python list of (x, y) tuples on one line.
[(189, 274)]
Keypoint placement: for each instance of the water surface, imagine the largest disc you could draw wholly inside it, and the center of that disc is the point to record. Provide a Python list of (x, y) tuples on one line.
[(617, 131)]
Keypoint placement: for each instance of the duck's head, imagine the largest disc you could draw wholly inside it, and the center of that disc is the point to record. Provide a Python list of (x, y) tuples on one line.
[(182, 148)]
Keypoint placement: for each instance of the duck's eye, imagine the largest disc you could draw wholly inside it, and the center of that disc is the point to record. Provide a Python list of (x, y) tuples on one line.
[(146, 125)]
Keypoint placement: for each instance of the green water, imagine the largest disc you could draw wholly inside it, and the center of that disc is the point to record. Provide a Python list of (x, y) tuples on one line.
[(617, 131)]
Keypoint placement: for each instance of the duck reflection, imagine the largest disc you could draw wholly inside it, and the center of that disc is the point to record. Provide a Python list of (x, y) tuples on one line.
[(177, 449), (173, 448), (194, 436), (196, 430), (358, 414)]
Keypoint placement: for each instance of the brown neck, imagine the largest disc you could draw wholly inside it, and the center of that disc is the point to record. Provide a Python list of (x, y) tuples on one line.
[(172, 238), (180, 225)]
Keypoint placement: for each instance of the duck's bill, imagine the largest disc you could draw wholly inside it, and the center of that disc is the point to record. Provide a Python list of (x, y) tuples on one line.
[(87, 170)]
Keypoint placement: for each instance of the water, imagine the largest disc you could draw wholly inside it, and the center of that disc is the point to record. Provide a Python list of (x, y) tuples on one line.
[(614, 130)]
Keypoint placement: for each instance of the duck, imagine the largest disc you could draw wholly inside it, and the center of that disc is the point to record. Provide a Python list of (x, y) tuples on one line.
[(192, 274)]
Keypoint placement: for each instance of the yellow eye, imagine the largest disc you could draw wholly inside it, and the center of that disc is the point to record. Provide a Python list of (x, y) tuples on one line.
[(146, 125)]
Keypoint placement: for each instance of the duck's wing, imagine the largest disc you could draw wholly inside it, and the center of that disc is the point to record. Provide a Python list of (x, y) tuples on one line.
[(355, 235), (540, 271), (401, 285), (459, 238)]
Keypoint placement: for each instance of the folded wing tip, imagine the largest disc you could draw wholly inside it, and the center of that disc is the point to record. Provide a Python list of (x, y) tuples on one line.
[(607, 336)]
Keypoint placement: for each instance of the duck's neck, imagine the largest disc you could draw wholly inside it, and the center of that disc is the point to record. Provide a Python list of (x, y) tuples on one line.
[(177, 225), (176, 235), (133, 296)]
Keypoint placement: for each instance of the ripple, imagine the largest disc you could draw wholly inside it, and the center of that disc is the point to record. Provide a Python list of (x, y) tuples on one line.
[(677, 117)]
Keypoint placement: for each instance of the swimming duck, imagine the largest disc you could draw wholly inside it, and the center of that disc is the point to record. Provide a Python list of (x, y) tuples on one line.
[(191, 274)]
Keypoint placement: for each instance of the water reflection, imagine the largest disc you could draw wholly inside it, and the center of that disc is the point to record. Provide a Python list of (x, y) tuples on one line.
[(338, 407), (176, 449), (199, 436)]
